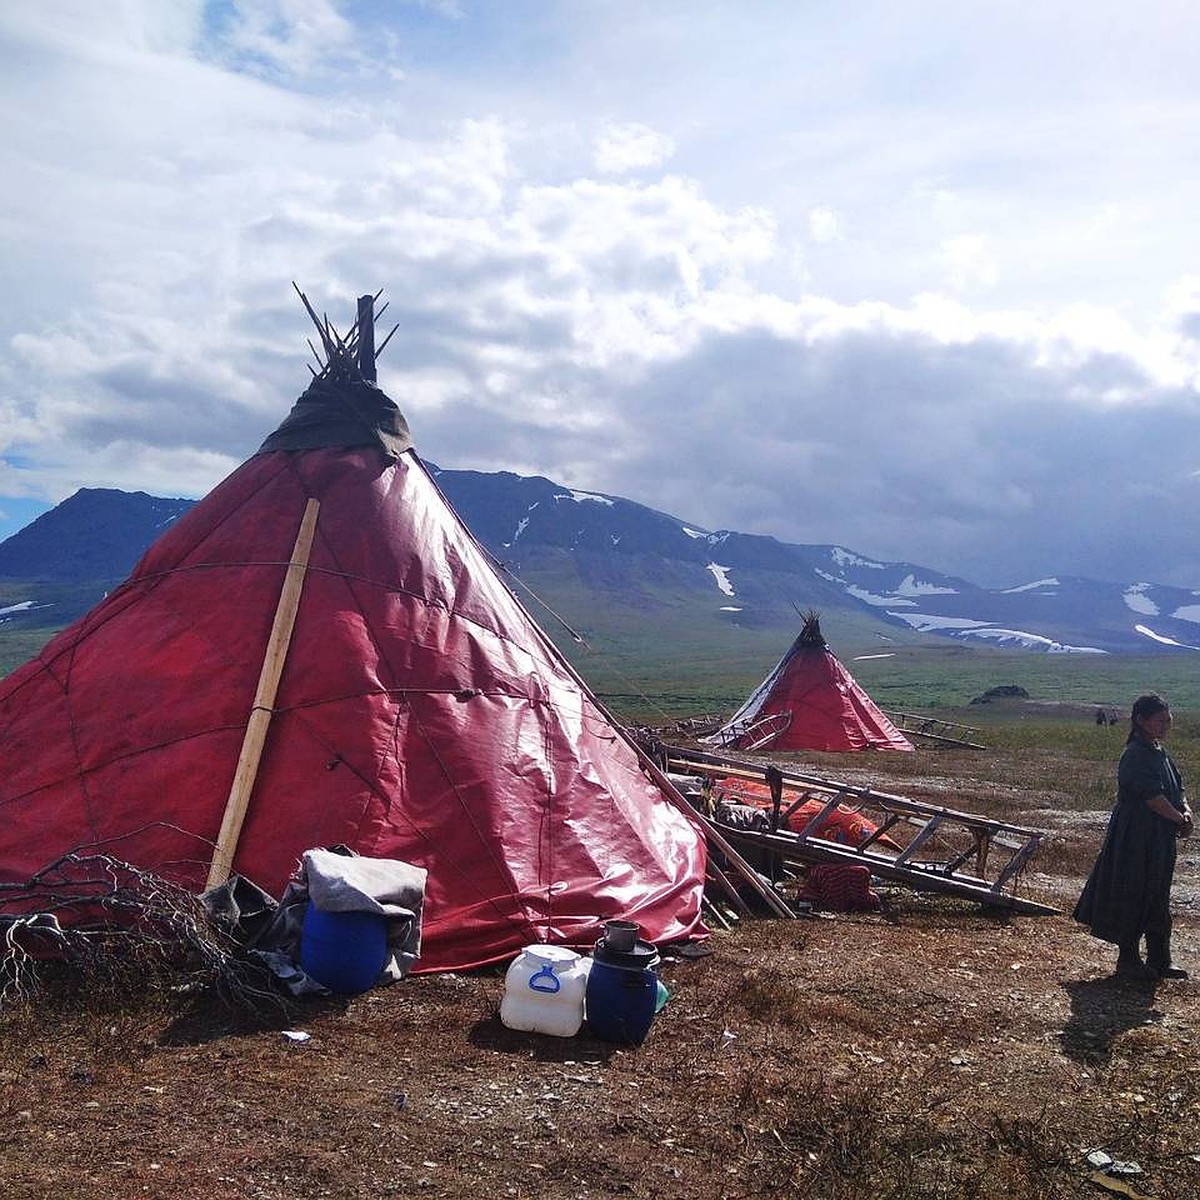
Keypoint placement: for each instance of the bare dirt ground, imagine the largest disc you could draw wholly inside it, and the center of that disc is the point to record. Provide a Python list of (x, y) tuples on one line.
[(936, 1051)]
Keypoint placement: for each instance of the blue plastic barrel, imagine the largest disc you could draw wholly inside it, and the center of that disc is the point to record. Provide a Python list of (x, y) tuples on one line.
[(620, 1003), (345, 951)]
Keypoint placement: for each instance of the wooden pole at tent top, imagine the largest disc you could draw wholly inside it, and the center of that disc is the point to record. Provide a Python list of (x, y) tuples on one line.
[(366, 337), (264, 701)]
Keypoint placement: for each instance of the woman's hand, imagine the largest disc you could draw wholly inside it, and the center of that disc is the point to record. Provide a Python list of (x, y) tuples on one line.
[(1180, 818)]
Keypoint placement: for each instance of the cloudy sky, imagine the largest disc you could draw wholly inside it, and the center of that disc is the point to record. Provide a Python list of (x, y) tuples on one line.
[(919, 279)]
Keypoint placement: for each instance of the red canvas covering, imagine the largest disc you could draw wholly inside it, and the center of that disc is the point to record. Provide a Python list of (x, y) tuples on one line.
[(421, 715), (810, 702)]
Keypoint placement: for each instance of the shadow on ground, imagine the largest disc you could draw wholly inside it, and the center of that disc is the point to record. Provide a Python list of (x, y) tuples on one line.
[(1101, 1010)]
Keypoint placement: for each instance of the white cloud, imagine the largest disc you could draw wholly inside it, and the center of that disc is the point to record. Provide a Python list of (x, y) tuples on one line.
[(631, 147), (125, 30), (988, 363), (966, 263), (288, 38), (824, 225)]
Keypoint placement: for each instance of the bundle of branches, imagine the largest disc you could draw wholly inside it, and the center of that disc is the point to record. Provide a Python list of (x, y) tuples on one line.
[(109, 921)]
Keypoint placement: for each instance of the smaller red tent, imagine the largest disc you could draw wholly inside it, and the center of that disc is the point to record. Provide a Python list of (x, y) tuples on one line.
[(810, 702)]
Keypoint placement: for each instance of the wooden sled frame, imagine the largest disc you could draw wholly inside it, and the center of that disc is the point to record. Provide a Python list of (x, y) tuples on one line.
[(754, 734), (934, 729), (949, 852)]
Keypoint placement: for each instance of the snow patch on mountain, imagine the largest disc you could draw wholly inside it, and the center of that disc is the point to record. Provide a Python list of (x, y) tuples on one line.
[(870, 598), (1189, 612), (1031, 641), (911, 586), (583, 497), (24, 606), (965, 627), (1162, 639), (721, 575), (1052, 582), (1137, 601), (932, 623), (693, 533), (844, 558), (729, 608), (901, 596)]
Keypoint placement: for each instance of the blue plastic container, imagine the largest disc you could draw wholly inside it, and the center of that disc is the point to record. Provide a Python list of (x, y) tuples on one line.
[(620, 1003), (345, 951)]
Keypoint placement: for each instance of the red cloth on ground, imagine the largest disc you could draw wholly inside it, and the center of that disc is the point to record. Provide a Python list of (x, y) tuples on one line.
[(841, 888)]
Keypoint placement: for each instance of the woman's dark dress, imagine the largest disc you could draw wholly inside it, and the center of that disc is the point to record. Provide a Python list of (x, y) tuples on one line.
[(1129, 890)]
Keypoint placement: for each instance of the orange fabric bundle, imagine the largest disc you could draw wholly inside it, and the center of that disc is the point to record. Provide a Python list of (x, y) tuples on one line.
[(844, 824)]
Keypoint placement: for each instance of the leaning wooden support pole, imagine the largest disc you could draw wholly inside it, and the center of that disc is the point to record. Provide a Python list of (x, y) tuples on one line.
[(717, 876), (264, 701), (736, 863)]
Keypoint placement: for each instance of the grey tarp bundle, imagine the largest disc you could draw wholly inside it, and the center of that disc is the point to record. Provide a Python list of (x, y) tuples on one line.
[(335, 881)]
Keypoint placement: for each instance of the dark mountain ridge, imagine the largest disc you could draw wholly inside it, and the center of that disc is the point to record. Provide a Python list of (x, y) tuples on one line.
[(610, 566), (96, 535)]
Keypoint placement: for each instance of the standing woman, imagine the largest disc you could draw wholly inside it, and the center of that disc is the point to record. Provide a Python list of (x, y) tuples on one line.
[(1128, 894)]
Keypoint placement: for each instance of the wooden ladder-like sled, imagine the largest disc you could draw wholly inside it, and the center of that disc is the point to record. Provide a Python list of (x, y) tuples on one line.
[(934, 729), (918, 845), (754, 734)]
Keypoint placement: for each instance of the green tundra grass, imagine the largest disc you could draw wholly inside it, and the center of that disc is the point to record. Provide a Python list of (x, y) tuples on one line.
[(678, 664), (918, 678)]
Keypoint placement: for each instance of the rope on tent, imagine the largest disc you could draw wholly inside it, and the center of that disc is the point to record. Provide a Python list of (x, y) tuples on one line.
[(514, 582), (578, 638), (264, 700), (502, 568)]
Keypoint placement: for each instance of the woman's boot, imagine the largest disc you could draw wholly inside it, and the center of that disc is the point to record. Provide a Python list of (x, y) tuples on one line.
[(1131, 967), (1158, 957)]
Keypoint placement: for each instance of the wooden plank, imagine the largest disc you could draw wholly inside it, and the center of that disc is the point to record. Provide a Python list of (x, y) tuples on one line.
[(909, 851), (915, 812), (881, 831), (762, 731), (948, 741), (726, 885), (978, 891), (813, 827), (978, 851), (802, 799), (713, 914), (912, 812), (1017, 863), (928, 720), (681, 762), (264, 700)]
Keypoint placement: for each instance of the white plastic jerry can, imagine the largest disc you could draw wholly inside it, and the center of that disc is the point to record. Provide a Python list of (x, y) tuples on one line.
[(544, 989)]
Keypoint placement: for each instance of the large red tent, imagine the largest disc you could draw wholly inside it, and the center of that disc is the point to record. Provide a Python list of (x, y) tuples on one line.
[(810, 701), (417, 712)]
